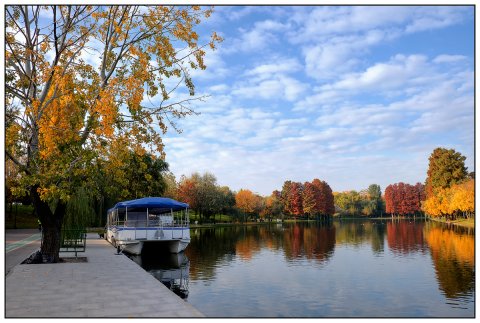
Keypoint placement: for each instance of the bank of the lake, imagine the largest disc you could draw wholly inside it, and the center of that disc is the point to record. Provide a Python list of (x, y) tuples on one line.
[(466, 223)]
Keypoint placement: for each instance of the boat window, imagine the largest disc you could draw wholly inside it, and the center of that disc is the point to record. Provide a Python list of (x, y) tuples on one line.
[(136, 219), (121, 216)]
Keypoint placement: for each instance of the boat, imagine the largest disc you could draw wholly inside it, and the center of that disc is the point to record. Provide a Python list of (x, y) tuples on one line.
[(158, 221)]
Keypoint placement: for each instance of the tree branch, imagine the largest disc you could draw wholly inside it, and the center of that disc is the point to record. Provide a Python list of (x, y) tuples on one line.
[(21, 166)]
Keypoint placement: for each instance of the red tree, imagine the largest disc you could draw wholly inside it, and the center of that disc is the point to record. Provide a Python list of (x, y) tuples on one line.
[(404, 199), (295, 199)]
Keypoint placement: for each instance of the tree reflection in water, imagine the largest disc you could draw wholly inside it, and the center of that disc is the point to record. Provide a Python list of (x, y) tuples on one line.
[(405, 236), (315, 246), (453, 254)]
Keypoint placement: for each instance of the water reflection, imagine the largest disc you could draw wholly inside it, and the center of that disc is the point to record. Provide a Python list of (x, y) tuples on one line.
[(171, 269), (433, 260), (406, 237), (212, 247), (313, 242), (453, 254)]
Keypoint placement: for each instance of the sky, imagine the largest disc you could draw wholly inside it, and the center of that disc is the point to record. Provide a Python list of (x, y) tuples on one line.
[(352, 95)]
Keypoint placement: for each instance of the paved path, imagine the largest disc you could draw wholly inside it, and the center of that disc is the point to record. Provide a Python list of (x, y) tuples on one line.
[(108, 285), (19, 245)]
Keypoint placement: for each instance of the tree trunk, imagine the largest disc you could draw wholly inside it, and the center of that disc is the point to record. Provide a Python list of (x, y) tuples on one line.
[(51, 226)]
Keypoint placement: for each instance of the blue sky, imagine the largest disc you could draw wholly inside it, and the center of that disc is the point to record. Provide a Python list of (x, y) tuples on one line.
[(353, 95)]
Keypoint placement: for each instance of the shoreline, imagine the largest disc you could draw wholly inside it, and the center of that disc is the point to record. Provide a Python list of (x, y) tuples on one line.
[(468, 223), (465, 223)]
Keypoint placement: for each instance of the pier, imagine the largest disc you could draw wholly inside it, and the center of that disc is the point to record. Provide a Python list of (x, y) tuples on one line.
[(106, 285)]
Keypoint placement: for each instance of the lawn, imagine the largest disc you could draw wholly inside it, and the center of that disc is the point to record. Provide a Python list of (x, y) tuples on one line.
[(20, 217)]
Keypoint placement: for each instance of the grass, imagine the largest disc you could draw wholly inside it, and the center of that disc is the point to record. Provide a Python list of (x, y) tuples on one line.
[(467, 223), (25, 218), (218, 218)]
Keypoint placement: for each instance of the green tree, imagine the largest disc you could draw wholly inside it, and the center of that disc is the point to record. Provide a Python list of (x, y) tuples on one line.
[(350, 202), (171, 185), (144, 176), (375, 201), (446, 167)]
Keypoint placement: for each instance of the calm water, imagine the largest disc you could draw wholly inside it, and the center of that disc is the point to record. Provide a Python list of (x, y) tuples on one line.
[(351, 268)]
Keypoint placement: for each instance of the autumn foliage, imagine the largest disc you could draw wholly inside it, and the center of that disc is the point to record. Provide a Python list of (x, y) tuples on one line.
[(311, 198), (404, 199), (457, 199), (449, 192), (81, 81)]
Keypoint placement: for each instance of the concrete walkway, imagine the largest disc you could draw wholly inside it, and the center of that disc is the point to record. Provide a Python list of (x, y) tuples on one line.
[(19, 245), (107, 285)]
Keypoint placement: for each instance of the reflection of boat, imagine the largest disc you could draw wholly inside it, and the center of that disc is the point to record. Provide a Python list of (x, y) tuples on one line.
[(171, 269), (157, 221)]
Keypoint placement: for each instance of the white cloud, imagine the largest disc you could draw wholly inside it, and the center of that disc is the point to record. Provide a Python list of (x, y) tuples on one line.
[(277, 87), (271, 81), (449, 58), (334, 39), (356, 121), (262, 35), (398, 72), (286, 65), (434, 17)]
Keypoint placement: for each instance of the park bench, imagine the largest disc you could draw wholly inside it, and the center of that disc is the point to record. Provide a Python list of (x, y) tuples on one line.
[(73, 240)]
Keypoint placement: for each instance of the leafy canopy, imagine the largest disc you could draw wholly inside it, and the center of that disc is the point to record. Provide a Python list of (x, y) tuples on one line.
[(83, 81)]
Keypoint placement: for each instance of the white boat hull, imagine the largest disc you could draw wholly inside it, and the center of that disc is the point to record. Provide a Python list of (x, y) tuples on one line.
[(175, 240)]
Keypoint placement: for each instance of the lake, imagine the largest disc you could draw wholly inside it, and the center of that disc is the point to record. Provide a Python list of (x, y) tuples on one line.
[(345, 268)]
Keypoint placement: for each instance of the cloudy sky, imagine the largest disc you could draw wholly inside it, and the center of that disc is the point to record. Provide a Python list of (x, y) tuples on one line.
[(350, 95)]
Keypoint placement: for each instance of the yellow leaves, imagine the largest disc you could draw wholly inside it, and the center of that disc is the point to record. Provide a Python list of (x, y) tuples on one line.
[(106, 111), (463, 196), (12, 133), (59, 121), (44, 46), (431, 206), (459, 197), (215, 39)]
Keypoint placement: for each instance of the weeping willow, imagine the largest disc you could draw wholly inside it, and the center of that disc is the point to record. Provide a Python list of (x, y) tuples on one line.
[(80, 211)]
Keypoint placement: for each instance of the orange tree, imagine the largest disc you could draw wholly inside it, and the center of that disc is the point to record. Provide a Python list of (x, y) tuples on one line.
[(83, 80), (248, 202)]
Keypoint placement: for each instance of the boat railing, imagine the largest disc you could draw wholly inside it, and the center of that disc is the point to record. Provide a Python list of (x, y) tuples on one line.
[(152, 223)]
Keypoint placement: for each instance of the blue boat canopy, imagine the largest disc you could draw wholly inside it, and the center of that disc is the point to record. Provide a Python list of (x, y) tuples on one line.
[(163, 203)]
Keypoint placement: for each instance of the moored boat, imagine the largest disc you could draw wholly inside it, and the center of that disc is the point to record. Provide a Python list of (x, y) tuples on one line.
[(159, 221)]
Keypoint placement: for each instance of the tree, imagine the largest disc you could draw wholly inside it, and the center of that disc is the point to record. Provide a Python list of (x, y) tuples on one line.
[(294, 199), (446, 172), (186, 191), (463, 197), (446, 167), (227, 200), (246, 201), (318, 198), (310, 197), (448, 202), (273, 205), (325, 200), (284, 195), (375, 199), (143, 176), (171, 185), (65, 107), (403, 199), (350, 202)]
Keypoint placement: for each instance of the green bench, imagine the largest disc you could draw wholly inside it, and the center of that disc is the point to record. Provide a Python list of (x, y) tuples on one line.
[(73, 240)]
